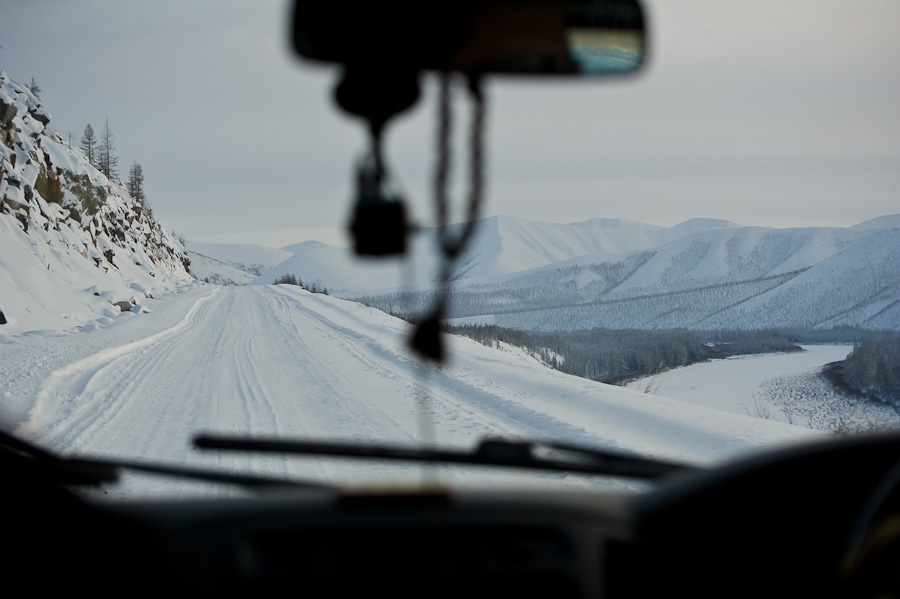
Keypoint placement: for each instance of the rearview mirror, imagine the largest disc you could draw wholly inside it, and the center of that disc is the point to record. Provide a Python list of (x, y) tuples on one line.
[(547, 37)]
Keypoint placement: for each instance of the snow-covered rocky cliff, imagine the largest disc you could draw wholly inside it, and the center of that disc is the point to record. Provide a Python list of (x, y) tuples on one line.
[(75, 248)]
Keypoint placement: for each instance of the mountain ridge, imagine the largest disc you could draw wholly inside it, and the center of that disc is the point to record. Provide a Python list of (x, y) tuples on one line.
[(700, 273), (501, 246), (738, 277)]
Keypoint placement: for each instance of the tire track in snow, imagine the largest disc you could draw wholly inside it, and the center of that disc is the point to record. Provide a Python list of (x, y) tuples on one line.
[(58, 399), (474, 409), (463, 411), (336, 375), (149, 397), (386, 411), (401, 369)]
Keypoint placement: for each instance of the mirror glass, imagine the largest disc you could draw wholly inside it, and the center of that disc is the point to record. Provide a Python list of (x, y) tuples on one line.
[(605, 51)]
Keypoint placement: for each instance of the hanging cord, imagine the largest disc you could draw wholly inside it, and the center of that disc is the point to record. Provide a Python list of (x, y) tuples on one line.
[(450, 247), (426, 339), (377, 154)]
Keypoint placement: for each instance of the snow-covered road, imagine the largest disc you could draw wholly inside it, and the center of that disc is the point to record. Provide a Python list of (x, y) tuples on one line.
[(280, 361)]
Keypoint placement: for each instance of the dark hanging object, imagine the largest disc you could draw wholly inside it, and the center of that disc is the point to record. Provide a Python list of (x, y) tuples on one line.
[(378, 225), (376, 95), (426, 341), (376, 91), (379, 229)]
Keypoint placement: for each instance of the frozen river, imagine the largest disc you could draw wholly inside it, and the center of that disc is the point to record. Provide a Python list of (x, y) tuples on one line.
[(783, 387)]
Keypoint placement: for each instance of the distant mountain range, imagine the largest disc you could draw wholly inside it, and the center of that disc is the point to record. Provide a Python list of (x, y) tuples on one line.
[(748, 277), (501, 246), (702, 273)]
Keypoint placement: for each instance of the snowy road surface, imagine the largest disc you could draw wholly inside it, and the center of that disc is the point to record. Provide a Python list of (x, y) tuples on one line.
[(278, 360)]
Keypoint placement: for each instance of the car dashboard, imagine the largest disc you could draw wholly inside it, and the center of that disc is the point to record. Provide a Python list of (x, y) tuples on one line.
[(777, 524), (409, 544)]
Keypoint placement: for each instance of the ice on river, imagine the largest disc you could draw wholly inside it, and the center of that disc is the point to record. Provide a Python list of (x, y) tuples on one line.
[(784, 387)]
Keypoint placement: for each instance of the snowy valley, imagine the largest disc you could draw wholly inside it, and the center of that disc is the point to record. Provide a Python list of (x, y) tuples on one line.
[(110, 347)]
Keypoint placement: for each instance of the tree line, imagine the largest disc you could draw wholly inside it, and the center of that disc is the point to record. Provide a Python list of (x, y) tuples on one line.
[(290, 279), (100, 152), (873, 368), (618, 355)]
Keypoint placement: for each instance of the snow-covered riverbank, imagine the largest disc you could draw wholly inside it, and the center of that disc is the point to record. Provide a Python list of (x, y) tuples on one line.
[(783, 387)]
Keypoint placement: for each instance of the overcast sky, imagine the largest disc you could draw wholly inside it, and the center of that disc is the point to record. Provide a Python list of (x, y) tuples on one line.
[(774, 112)]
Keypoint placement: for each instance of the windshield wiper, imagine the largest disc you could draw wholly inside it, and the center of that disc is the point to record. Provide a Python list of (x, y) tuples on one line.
[(39, 466), (250, 481), (534, 455)]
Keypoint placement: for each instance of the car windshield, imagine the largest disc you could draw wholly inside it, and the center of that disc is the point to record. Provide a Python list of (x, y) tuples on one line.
[(688, 264)]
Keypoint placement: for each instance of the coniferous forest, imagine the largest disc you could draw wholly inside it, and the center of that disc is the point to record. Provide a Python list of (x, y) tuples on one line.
[(873, 368)]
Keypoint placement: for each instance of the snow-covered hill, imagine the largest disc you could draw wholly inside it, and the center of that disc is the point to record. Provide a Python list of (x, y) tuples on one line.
[(858, 286), (736, 277), (890, 221), (339, 269), (232, 264), (505, 245), (501, 246), (75, 248)]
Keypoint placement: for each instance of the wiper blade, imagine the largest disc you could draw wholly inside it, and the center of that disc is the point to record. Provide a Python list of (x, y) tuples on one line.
[(534, 455), (27, 464), (40, 466), (251, 481)]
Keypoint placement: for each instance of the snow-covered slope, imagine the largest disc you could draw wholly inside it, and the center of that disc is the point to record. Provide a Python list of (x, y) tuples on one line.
[(232, 264), (74, 246), (501, 246), (217, 272), (733, 255), (859, 285), (504, 245), (738, 278), (339, 269), (889, 221)]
